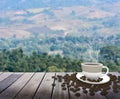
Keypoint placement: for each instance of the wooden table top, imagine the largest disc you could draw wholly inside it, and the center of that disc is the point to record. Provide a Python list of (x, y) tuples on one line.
[(41, 85)]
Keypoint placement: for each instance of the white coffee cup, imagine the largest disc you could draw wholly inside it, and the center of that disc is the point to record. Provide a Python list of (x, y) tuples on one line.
[(93, 70)]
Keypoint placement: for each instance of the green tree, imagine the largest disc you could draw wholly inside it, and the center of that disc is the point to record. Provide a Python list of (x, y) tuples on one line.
[(110, 56)]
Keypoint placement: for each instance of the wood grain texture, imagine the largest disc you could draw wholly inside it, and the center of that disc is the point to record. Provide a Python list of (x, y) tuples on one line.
[(29, 90), (14, 89), (5, 75), (39, 86), (1, 73), (45, 89), (4, 84)]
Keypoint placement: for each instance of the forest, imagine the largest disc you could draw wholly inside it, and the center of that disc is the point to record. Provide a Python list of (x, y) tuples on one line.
[(15, 60), (79, 47)]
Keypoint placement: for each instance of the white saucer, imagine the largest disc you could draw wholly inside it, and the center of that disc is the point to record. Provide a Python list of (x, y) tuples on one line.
[(106, 78)]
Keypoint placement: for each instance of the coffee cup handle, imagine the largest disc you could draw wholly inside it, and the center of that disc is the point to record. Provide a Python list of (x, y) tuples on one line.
[(106, 69)]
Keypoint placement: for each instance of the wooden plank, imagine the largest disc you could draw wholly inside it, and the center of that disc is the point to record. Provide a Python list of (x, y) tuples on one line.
[(4, 84), (12, 91), (28, 91), (13, 84), (5, 75), (45, 89), (1, 73), (58, 93), (114, 73)]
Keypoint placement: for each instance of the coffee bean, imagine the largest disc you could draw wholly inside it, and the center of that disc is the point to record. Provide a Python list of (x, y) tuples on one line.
[(84, 88), (83, 78), (104, 93), (109, 74), (71, 89), (114, 86), (68, 85), (92, 93), (97, 80), (64, 88), (113, 77), (53, 76), (77, 94), (53, 85), (85, 91), (63, 85)]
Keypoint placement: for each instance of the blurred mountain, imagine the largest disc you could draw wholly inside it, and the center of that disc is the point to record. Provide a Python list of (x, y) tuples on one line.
[(77, 28), (25, 4)]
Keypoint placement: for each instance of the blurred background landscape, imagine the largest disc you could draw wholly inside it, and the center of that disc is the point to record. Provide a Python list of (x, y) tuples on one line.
[(57, 35)]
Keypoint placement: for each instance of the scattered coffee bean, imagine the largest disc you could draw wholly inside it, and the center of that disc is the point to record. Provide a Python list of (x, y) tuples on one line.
[(83, 78), (114, 86), (113, 77), (104, 93), (71, 89), (64, 88), (75, 85), (63, 85), (85, 91), (54, 77), (53, 85), (68, 85), (109, 74), (97, 80), (77, 94), (92, 93), (83, 88)]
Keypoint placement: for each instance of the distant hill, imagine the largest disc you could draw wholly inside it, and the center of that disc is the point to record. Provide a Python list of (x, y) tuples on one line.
[(25, 4), (77, 28)]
